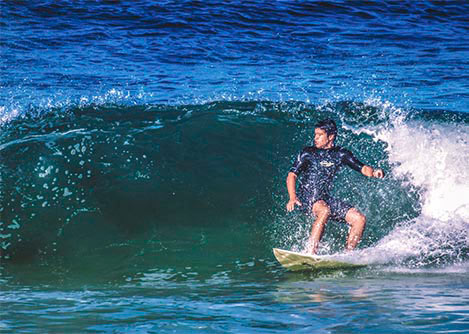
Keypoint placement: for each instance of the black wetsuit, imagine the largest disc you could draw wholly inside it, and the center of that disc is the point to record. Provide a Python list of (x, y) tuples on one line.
[(318, 168)]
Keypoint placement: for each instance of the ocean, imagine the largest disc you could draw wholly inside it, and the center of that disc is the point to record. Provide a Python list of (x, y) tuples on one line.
[(144, 148)]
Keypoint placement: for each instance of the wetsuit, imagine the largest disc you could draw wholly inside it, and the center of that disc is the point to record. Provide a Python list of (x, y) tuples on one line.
[(318, 168)]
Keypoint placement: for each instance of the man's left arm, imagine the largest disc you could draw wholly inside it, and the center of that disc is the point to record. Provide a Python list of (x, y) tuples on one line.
[(354, 163)]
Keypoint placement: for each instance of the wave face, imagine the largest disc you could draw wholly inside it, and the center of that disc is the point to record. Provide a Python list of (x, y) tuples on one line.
[(134, 183)]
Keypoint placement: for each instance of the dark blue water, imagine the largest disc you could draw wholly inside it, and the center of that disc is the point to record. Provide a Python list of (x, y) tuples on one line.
[(173, 52), (144, 149)]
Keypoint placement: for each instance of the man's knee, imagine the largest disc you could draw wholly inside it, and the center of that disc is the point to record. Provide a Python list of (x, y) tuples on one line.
[(355, 217), (320, 208)]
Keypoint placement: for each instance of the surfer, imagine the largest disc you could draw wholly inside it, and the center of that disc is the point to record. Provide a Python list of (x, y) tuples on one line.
[(318, 166)]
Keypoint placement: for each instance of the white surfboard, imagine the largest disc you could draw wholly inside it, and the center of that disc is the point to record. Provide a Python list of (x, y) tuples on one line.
[(297, 261)]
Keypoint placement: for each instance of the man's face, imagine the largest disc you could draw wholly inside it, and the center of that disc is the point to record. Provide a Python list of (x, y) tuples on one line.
[(322, 140)]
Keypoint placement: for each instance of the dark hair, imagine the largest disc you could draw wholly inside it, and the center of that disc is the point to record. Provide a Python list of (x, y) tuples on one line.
[(328, 125)]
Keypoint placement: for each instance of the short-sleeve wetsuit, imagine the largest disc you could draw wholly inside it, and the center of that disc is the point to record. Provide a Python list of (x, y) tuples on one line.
[(318, 168)]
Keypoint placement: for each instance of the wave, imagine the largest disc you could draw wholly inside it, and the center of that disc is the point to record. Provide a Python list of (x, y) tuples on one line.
[(433, 156), (146, 178)]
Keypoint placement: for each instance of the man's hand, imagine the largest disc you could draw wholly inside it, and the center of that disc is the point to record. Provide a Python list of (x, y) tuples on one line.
[(372, 172), (291, 204), (378, 173)]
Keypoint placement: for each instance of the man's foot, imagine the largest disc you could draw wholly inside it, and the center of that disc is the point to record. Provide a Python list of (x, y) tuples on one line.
[(310, 249)]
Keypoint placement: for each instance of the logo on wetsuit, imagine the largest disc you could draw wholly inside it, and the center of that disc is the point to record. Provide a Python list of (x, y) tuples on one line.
[(326, 163)]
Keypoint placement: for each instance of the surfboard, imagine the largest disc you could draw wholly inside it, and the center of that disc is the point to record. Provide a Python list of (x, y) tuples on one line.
[(299, 262)]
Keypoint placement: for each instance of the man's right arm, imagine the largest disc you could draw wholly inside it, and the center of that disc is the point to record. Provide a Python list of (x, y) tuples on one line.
[(291, 187), (296, 169)]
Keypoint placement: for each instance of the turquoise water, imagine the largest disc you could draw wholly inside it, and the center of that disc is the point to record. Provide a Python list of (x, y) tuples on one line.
[(144, 150), (253, 296)]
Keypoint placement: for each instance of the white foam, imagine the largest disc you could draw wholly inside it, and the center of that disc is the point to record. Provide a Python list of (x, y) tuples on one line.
[(434, 157), (458, 268)]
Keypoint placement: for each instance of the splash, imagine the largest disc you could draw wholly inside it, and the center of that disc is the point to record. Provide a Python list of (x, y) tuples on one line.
[(433, 157)]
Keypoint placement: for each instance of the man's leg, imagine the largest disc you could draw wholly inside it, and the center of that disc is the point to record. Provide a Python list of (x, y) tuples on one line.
[(321, 212), (357, 221)]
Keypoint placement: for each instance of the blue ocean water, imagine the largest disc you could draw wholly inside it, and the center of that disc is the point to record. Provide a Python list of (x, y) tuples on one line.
[(144, 148)]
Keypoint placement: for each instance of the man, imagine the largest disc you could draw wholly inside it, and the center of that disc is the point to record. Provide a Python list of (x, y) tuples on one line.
[(318, 166)]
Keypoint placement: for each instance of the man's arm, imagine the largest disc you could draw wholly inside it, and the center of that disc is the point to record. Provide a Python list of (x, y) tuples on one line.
[(355, 164), (372, 172), (291, 187)]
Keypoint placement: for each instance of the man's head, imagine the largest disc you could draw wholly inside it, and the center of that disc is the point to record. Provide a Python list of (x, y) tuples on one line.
[(325, 132)]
